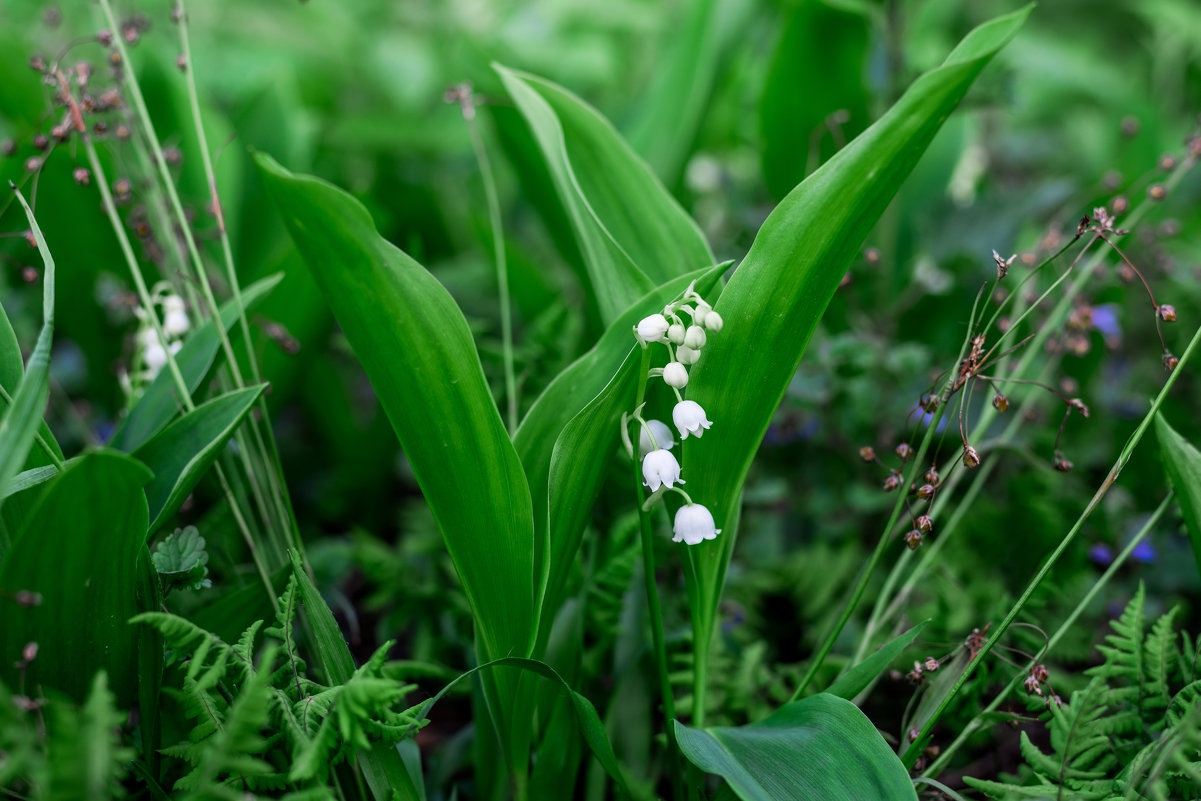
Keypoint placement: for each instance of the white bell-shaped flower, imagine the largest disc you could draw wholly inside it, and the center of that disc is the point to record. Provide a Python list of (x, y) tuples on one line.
[(675, 333), (175, 316), (652, 328), (686, 355), (694, 524), (660, 468), (155, 356), (714, 322), (676, 375), (690, 418), (694, 337), (662, 434), (702, 310)]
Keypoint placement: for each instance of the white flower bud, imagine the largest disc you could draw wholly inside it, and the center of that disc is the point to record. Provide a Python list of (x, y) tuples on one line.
[(702, 310), (695, 336), (690, 418), (676, 334), (713, 321), (660, 468), (676, 375), (652, 328), (663, 438), (155, 357), (694, 524), (686, 355)]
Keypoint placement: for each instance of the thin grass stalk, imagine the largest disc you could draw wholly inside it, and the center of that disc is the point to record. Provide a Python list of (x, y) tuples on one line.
[(1123, 458), (978, 721), (37, 435), (185, 396), (271, 468), (818, 659)]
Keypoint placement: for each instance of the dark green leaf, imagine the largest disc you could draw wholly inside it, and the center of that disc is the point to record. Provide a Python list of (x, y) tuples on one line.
[(160, 402), (818, 747), (180, 454), (1182, 463), (80, 551)]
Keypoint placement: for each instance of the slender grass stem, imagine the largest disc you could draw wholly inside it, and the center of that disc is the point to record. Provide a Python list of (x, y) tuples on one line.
[(978, 721), (1123, 458), (37, 436)]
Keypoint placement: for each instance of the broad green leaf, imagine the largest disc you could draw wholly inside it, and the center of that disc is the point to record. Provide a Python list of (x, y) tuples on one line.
[(632, 233), (855, 680), (775, 299), (80, 551), (382, 766), (12, 370), (671, 109), (160, 402), (576, 422), (819, 747), (1182, 463), (23, 417), (180, 454), (819, 68), (417, 350), (181, 560)]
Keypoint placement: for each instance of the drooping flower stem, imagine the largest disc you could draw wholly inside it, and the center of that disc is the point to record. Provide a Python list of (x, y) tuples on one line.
[(654, 609)]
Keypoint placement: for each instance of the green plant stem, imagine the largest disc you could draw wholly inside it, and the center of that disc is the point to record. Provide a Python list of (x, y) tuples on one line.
[(270, 462), (652, 599), (502, 269), (818, 659), (978, 721), (916, 747), (185, 396)]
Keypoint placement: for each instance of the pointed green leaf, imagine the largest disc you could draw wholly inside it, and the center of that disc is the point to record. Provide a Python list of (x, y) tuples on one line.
[(79, 551), (181, 559), (160, 402), (12, 370), (417, 350), (632, 233), (855, 680), (182, 452), (776, 297), (818, 747), (1182, 463)]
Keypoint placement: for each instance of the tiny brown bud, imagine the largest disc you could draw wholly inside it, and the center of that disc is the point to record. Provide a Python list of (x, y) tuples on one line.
[(895, 675), (1167, 313), (29, 652), (913, 735), (30, 239), (33, 164), (172, 156), (114, 58), (1167, 162), (105, 38), (1004, 324), (41, 142), (122, 133), (1061, 464), (27, 598), (100, 128), (29, 274), (904, 452), (913, 539), (971, 459), (1120, 204), (930, 476), (130, 33), (1130, 126), (61, 133), (1079, 406), (37, 63), (1082, 226), (925, 491), (82, 176), (917, 675), (867, 453), (932, 664), (1170, 361), (1032, 686), (1157, 192), (924, 524), (1039, 672), (892, 482), (1000, 403), (872, 256), (181, 62)]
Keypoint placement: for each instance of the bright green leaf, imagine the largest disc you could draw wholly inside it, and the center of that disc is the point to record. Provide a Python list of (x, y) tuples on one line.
[(855, 680), (819, 747), (181, 559), (180, 454)]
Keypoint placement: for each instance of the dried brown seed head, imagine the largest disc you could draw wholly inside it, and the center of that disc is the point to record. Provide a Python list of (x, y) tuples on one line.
[(931, 476), (904, 452), (925, 491), (913, 539), (971, 459), (867, 453), (82, 176), (1170, 361), (924, 524), (1061, 463), (892, 482), (1157, 192), (1167, 162), (1120, 204), (1000, 403), (1079, 406), (932, 664), (1166, 313)]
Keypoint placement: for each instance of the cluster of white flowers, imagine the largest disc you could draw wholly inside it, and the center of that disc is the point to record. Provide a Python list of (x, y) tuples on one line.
[(693, 522), (152, 351)]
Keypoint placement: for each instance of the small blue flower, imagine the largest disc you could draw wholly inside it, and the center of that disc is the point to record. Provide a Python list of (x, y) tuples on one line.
[(1101, 553), (1143, 552)]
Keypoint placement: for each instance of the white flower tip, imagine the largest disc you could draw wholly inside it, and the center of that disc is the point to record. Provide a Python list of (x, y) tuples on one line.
[(694, 337), (713, 322), (687, 355), (676, 334), (652, 328)]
